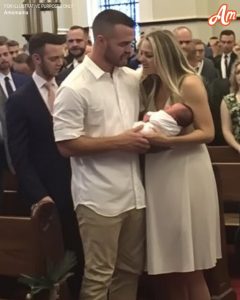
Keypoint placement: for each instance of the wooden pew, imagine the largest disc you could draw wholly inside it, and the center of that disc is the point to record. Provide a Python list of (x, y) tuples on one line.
[(27, 243), (218, 278), (12, 204), (223, 154), (226, 164)]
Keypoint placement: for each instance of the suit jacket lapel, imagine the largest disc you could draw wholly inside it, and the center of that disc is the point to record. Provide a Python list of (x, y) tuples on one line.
[(39, 98), (3, 100)]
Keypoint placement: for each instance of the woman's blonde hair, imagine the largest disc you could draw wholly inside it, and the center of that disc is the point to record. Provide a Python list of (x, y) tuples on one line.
[(170, 62), (233, 82)]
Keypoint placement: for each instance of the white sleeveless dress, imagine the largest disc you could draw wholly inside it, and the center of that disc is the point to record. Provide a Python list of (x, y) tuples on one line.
[(183, 230)]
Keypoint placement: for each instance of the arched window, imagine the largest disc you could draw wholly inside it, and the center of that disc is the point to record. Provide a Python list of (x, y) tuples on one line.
[(130, 8)]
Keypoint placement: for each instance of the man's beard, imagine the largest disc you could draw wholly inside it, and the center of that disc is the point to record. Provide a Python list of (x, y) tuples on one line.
[(77, 55)]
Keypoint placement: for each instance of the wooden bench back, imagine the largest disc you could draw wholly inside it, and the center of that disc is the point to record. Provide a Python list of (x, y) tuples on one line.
[(27, 243), (20, 250), (227, 176), (223, 154)]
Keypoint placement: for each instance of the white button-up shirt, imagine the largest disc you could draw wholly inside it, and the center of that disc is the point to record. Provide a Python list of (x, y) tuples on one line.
[(223, 66), (91, 102)]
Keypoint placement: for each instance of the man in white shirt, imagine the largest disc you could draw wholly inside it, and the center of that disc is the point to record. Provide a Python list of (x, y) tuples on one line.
[(94, 111)]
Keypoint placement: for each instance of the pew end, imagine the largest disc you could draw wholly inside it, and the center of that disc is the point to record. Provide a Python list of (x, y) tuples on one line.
[(28, 243)]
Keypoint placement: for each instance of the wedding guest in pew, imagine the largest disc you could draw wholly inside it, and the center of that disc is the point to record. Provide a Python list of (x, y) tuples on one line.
[(183, 231), (76, 41), (223, 62), (230, 110), (13, 48), (41, 171), (9, 83), (23, 64), (219, 88)]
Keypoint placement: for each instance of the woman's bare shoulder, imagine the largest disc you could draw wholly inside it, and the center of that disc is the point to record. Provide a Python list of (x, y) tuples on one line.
[(192, 88), (191, 80)]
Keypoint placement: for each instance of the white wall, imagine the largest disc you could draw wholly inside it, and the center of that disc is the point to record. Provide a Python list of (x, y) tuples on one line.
[(82, 12), (65, 15), (12, 24), (174, 10)]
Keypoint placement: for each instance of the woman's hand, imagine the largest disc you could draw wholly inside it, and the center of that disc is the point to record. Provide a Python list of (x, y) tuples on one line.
[(158, 139)]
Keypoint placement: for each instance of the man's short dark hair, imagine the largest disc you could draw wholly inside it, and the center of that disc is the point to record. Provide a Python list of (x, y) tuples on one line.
[(75, 27), (105, 20), (21, 58), (38, 41), (3, 39), (2, 43), (227, 32), (12, 43), (198, 42)]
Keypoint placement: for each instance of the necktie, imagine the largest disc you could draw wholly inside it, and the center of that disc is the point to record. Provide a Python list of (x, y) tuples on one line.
[(51, 94), (226, 64), (8, 86)]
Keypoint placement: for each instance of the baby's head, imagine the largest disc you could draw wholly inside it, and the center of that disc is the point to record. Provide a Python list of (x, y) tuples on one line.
[(181, 113)]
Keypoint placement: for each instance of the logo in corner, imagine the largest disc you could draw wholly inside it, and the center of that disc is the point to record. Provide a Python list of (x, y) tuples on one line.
[(224, 16)]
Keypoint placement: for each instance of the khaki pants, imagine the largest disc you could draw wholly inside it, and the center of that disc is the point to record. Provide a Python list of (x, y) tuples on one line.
[(114, 249)]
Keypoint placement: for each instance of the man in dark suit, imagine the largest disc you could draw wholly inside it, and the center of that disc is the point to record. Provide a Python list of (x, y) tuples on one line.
[(225, 61), (41, 171), (9, 82), (76, 41), (205, 66)]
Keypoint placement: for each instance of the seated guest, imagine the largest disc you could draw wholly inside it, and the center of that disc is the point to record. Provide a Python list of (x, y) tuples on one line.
[(230, 110)]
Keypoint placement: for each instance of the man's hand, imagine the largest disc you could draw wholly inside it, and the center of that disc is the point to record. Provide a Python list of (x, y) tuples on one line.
[(34, 207), (132, 140)]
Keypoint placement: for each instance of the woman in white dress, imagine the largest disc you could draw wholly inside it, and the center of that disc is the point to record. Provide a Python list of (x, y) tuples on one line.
[(183, 231)]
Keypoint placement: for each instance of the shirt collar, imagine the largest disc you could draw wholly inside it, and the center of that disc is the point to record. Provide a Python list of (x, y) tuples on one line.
[(228, 54), (95, 69), (2, 76), (41, 81)]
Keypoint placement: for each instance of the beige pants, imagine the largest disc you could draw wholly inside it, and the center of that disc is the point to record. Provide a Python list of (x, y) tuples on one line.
[(114, 249)]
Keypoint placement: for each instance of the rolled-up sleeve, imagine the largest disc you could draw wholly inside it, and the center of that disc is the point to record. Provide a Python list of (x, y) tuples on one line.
[(68, 114)]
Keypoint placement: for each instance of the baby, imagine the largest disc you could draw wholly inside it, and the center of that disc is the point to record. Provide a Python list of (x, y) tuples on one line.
[(169, 121)]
